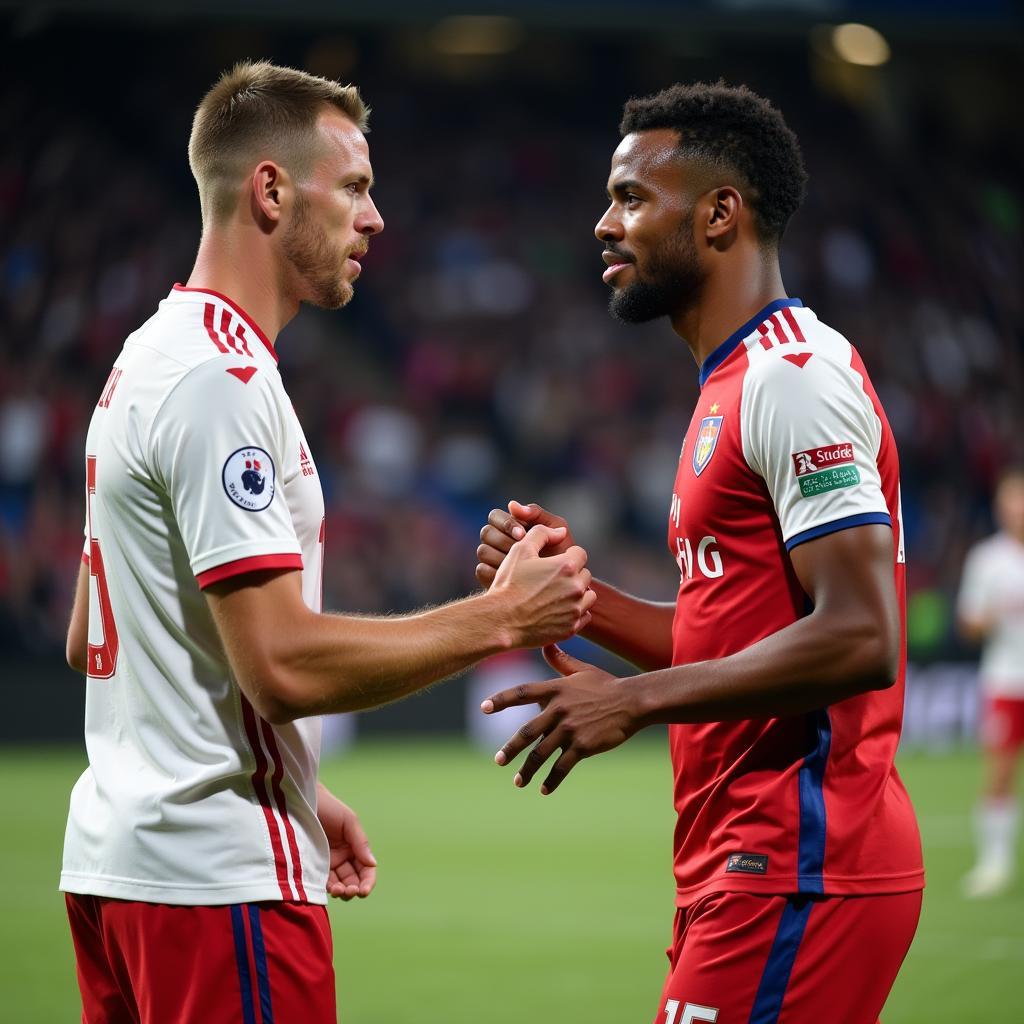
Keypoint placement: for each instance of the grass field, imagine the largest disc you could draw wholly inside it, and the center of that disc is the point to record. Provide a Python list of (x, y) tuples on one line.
[(496, 905)]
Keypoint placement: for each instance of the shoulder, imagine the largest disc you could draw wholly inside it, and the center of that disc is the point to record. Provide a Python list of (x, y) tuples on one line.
[(995, 549), (218, 389), (818, 368)]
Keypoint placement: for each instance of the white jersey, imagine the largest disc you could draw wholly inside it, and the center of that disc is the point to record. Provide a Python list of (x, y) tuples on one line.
[(992, 589), (197, 471)]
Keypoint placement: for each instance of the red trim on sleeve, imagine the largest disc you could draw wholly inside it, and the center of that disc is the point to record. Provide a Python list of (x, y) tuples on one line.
[(251, 564), (238, 309)]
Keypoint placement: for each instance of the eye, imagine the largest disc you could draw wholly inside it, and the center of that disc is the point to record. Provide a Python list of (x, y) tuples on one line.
[(632, 201)]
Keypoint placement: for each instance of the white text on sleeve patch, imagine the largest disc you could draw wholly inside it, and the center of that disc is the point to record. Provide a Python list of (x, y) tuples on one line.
[(825, 469)]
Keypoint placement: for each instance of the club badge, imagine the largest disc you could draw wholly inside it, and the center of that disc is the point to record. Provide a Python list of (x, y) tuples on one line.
[(248, 478), (707, 441)]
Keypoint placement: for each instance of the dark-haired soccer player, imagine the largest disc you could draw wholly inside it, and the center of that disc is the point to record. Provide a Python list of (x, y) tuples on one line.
[(780, 667)]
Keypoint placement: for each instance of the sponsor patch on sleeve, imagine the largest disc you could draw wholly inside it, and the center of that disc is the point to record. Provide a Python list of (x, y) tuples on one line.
[(825, 469), (248, 478)]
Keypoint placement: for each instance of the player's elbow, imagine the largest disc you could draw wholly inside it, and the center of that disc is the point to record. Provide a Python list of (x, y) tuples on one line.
[(275, 695), (877, 655), (76, 651), (971, 630), (276, 711), (77, 658)]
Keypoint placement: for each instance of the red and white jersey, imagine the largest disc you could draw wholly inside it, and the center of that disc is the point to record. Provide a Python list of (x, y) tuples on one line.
[(992, 590), (788, 443), (197, 470)]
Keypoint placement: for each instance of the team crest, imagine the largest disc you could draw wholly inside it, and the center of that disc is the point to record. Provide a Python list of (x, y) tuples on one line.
[(248, 478), (707, 441)]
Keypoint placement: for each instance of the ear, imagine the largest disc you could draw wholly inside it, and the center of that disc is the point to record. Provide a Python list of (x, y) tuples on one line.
[(725, 205), (270, 192)]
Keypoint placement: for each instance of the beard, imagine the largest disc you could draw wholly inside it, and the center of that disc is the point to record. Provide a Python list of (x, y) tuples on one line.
[(315, 261), (672, 281)]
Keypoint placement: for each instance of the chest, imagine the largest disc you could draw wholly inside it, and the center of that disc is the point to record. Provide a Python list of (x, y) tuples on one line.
[(715, 492)]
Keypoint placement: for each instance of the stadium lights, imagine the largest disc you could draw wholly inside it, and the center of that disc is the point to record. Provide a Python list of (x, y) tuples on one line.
[(476, 36), (860, 44)]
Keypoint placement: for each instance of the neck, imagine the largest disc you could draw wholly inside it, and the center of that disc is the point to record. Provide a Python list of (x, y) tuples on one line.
[(727, 301), (237, 262)]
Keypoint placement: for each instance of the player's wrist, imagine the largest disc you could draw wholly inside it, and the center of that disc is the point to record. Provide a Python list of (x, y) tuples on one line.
[(645, 701), (503, 632)]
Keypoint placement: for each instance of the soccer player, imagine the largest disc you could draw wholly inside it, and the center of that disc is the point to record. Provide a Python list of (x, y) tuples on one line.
[(779, 668), (200, 849), (991, 612)]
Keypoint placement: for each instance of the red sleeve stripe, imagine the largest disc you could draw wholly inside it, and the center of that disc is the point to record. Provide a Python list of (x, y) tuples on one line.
[(252, 564)]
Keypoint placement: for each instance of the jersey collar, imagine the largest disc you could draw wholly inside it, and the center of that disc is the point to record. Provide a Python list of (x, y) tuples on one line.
[(238, 309), (720, 354)]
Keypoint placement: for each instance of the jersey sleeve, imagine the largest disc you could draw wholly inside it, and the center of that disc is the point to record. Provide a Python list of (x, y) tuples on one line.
[(974, 600), (217, 448), (812, 434)]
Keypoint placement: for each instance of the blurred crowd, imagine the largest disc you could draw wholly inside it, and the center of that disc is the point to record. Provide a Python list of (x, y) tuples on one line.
[(477, 362)]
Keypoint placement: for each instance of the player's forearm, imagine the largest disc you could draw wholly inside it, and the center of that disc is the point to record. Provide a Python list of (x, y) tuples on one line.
[(975, 630), (77, 646), (332, 663), (638, 631), (817, 661)]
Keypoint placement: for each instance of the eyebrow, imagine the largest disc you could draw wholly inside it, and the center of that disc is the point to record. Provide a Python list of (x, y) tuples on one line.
[(625, 186)]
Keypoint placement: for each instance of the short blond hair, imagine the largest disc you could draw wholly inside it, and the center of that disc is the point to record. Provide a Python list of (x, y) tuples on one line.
[(259, 110)]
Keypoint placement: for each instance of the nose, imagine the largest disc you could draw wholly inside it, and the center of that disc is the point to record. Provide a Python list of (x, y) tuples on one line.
[(370, 221), (609, 227)]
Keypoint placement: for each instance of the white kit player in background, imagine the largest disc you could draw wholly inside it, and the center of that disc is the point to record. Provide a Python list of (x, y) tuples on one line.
[(991, 611)]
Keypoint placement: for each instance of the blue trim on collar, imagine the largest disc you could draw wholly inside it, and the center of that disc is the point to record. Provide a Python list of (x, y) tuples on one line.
[(720, 354)]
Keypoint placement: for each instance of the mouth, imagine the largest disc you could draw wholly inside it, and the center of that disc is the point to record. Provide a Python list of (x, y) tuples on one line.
[(615, 263), (354, 258)]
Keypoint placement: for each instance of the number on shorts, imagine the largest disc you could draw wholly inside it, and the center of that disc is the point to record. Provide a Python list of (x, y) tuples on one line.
[(103, 656), (692, 1013)]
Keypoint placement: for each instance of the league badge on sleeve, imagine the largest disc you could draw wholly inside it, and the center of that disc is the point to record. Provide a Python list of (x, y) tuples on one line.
[(248, 478), (707, 441)]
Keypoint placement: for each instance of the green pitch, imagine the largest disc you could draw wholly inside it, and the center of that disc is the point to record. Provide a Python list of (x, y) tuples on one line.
[(498, 905)]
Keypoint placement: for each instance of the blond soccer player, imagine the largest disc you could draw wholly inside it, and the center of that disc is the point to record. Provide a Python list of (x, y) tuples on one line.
[(200, 849)]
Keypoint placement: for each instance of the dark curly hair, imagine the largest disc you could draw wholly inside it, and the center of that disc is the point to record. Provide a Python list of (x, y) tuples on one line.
[(731, 129)]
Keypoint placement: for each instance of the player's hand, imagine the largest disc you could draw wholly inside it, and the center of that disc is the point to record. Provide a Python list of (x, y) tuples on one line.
[(546, 599), (353, 867), (587, 712), (503, 529)]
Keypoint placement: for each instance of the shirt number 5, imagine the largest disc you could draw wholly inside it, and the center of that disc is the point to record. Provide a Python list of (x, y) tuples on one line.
[(102, 656)]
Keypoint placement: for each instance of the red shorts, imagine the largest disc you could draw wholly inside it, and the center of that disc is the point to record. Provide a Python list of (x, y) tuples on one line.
[(251, 963), (1002, 724), (737, 957)]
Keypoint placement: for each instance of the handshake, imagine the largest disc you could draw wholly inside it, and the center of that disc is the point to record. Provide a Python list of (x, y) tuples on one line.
[(528, 557), (528, 561)]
